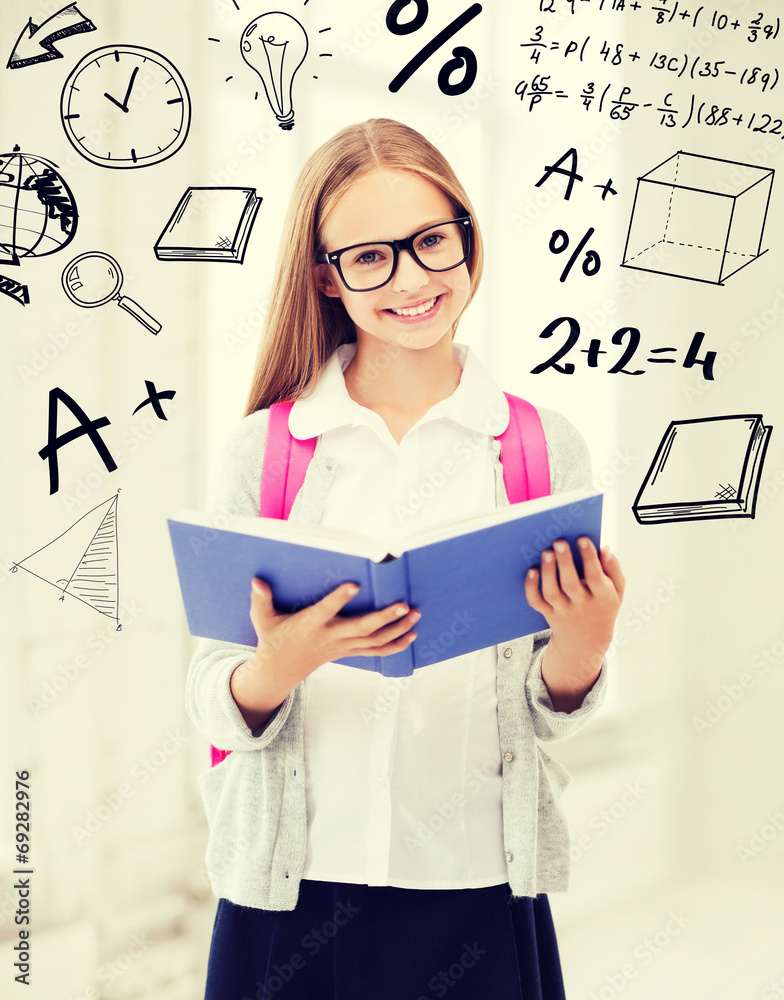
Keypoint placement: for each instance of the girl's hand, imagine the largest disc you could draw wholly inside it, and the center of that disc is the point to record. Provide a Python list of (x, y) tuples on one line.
[(291, 646), (580, 613)]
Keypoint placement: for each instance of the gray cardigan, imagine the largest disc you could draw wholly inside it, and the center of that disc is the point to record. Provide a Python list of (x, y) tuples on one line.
[(255, 799)]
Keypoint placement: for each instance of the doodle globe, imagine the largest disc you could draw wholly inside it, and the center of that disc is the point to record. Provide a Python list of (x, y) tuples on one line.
[(37, 209)]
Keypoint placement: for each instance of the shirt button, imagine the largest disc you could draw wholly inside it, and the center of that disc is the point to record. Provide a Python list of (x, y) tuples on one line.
[(508, 652), (380, 782), (508, 755), (509, 856)]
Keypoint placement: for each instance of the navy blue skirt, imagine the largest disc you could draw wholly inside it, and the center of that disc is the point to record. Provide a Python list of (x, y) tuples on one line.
[(345, 941)]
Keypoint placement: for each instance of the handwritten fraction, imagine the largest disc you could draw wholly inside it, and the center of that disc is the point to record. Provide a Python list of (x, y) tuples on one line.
[(653, 69), (757, 28), (82, 561)]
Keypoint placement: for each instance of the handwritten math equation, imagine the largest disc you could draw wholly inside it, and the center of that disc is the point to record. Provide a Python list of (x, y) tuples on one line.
[(684, 50), (614, 54), (754, 29), (628, 339), (622, 105)]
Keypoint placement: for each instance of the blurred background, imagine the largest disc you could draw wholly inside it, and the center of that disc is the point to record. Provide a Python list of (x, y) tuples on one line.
[(677, 807)]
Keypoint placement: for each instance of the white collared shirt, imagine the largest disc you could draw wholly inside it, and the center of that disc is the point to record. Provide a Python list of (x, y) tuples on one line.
[(403, 775)]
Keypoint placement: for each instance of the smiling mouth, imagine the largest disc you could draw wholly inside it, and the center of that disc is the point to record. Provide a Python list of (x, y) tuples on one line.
[(419, 310)]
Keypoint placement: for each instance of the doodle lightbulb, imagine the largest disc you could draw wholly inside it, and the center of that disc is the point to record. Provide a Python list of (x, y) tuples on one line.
[(275, 45)]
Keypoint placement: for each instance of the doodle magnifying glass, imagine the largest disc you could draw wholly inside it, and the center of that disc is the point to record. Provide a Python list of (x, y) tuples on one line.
[(95, 278)]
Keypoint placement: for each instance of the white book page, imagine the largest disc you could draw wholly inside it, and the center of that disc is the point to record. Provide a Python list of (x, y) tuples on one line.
[(352, 543)]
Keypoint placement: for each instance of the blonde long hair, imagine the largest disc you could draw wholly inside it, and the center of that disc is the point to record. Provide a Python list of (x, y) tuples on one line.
[(304, 326)]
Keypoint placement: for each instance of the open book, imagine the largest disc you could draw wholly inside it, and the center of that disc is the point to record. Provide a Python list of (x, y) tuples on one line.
[(466, 577)]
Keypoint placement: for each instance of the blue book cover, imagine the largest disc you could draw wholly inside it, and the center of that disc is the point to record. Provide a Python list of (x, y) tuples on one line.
[(466, 578)]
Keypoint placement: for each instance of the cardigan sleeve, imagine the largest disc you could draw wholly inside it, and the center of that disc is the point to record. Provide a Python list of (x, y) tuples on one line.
[(234, 491), (570, 468)]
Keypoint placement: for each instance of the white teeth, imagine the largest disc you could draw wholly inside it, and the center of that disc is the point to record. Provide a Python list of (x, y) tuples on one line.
[(417, 311)]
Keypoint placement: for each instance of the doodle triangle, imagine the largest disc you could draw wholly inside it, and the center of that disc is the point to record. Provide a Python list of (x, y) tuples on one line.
[(82, 561)]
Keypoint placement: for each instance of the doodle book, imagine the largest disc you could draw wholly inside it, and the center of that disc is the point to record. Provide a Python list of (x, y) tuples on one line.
[(209, 224), (704, 468), (466, 577)]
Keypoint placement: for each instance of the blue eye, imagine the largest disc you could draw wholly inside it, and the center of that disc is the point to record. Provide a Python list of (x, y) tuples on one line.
[(431, 241), (368, 257)]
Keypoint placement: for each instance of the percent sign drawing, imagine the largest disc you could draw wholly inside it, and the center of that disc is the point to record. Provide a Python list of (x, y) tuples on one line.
[(462, 57), (559, 242)]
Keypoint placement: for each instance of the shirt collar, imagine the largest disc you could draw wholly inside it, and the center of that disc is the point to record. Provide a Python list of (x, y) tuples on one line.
[(477, 403)]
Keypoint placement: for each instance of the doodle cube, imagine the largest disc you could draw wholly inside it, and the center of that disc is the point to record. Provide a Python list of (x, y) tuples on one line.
[(698, 217)]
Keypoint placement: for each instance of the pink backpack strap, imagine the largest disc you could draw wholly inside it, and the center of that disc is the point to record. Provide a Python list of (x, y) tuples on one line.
[(524, 453), (286, 461)]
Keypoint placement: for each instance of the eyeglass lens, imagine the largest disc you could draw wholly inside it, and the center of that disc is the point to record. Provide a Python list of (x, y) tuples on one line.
[(437, 249)]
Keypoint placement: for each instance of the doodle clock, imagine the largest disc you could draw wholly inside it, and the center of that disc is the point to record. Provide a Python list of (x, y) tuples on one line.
[(124, 106)]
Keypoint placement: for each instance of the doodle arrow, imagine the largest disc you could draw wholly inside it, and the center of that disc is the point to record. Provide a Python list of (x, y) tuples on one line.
[(35, 43)]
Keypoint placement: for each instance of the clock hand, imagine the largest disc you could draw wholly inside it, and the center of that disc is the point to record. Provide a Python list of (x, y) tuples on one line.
[(124, 105), (120, 106), (130, 87)]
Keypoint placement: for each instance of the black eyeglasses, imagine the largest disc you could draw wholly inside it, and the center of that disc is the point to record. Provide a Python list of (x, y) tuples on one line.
[(364, 267)]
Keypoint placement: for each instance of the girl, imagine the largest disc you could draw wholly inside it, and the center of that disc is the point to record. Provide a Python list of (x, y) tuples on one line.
[(375, 838)]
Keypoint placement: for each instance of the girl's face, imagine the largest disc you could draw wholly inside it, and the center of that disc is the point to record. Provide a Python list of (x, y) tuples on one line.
[(391, 204)]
